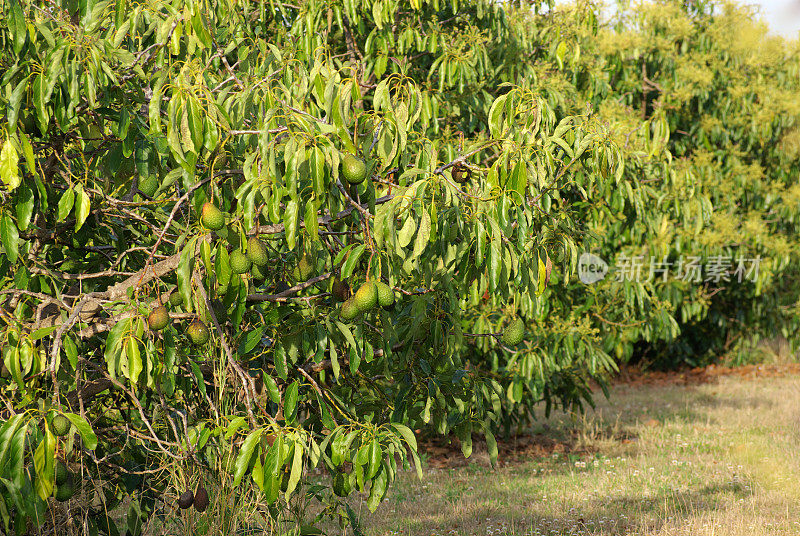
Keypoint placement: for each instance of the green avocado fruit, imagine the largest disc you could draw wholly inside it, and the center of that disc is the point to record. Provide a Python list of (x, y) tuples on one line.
[(354, 169), (349, 310), (256, 252), (514, 332), (60, 425), (198, 332), (366, 297), (240, 263), (341, 485), (65, 491), (158, 318), (385, 295), (211, 216)]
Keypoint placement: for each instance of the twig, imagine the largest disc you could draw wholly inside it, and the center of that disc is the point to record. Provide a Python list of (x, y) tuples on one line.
[(289, 292), (247, 382)]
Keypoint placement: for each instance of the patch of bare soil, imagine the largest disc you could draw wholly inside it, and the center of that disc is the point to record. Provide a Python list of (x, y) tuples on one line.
[(709, 374)]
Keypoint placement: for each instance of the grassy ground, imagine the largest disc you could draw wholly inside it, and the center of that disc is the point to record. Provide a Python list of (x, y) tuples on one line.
[(712, 459)]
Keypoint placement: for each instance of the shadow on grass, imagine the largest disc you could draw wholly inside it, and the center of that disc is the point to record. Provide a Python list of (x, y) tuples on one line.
[(503, 513)]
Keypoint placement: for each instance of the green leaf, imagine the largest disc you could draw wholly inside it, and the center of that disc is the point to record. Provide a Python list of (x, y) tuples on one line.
[(290, 402), (542, 277), (407, 434), (407, 231), (198, 375), (257, 473), (7, 433), (312, 225), (82, 206), (124, 123), (9, 165), (280, 362), (41, 333), (15, 493), (347, 334), (272, 389), (491, 445), (114, 345), (17, 26), (24, 206), (44, 462), (496, 115), (290, 222), (14, 104), (375, 456), (184, 273), (251, 340), (133, 354), (317, 164), (195, 116), (234, 426), (222, 267), (200, 29), (466, 445), (519, 180), (297, 470), (65, 204), (352, 261), (561, 51), (495, 257), (378, 490), (339, 256), (85, 431), (272, 470), (154, 108), (423, 235), (10, 237), (417, 464), (245, 453)]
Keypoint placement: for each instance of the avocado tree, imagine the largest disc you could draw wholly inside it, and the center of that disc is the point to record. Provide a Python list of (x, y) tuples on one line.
[(250, 248)]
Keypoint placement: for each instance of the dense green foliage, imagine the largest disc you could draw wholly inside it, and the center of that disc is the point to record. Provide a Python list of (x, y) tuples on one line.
[(207, 156)]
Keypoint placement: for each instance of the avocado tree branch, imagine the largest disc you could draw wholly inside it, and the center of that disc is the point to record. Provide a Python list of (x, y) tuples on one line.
[(247, 381), (288, 294), (175, 208), (162, 445), (56, 348), (462, 159)]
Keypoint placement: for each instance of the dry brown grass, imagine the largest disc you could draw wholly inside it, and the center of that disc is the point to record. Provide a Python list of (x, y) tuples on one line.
[(714, 459)]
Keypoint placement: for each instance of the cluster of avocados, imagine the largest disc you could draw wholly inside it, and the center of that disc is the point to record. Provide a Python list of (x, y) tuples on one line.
[(367, 296), (198, 499), (65, 483), (253, 257), (158, 319)]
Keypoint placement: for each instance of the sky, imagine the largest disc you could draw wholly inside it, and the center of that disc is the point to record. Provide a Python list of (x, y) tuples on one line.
[(783, 16)]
